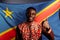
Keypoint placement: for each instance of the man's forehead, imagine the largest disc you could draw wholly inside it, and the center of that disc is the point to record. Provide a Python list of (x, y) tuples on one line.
[(32, 10)]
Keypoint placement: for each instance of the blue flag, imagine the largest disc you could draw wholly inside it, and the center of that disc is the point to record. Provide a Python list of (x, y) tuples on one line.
[(13, 14)]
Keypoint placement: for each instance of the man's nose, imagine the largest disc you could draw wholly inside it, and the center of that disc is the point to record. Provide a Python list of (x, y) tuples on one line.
[(33, 15)]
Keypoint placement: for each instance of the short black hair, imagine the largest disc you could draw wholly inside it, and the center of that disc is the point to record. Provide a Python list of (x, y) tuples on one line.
[(28, 9)]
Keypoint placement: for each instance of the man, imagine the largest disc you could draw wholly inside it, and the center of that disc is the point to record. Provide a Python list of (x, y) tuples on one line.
[(31, 30), (59, 14)]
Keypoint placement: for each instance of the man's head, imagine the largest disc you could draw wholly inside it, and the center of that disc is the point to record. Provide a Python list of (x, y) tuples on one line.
[(31, 14)]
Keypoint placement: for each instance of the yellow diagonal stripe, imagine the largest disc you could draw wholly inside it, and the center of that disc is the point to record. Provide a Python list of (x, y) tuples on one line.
[(7, 30), (13, 38), (47, 7), (36, 15)]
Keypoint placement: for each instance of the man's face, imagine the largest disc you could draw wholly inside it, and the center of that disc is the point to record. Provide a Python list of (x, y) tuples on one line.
[(31, 15)]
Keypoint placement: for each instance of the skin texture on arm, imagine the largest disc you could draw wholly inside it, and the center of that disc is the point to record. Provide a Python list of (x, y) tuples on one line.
[(18, 34), (47, 31)]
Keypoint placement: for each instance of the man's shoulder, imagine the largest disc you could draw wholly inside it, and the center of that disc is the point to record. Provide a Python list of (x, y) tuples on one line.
[(37, 23), (22, 23)]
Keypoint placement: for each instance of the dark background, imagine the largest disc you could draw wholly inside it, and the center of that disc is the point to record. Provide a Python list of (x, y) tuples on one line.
[(23, 1)]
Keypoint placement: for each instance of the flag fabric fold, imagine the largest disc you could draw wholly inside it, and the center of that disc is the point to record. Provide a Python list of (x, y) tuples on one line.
[(13, 14)]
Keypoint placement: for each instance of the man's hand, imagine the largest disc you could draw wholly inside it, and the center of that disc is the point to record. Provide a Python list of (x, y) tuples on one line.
[(46, 26), (47, 31)]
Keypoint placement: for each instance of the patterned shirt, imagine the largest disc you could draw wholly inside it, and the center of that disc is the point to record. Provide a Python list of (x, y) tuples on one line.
[(30, 31)]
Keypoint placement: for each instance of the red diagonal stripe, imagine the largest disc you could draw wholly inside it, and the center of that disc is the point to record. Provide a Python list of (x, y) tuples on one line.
[(39, 18), (9, 35), (47, 12)]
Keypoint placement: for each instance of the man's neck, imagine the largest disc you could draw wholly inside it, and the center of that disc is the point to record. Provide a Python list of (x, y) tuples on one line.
[(29, 21)]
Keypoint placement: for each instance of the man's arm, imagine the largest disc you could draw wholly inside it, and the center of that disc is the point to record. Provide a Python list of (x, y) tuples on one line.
[(47, 31), (18, 33)]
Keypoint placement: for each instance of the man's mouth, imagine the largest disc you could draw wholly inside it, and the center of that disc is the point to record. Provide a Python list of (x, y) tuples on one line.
[(31, 18)]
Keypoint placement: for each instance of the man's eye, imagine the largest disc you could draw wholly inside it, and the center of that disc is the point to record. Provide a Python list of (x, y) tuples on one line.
[(33, 13)]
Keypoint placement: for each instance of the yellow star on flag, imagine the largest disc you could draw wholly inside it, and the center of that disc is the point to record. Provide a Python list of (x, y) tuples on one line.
[(8, 13)]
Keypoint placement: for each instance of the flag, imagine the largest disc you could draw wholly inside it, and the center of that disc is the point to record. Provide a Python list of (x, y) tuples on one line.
[(13, 14)]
